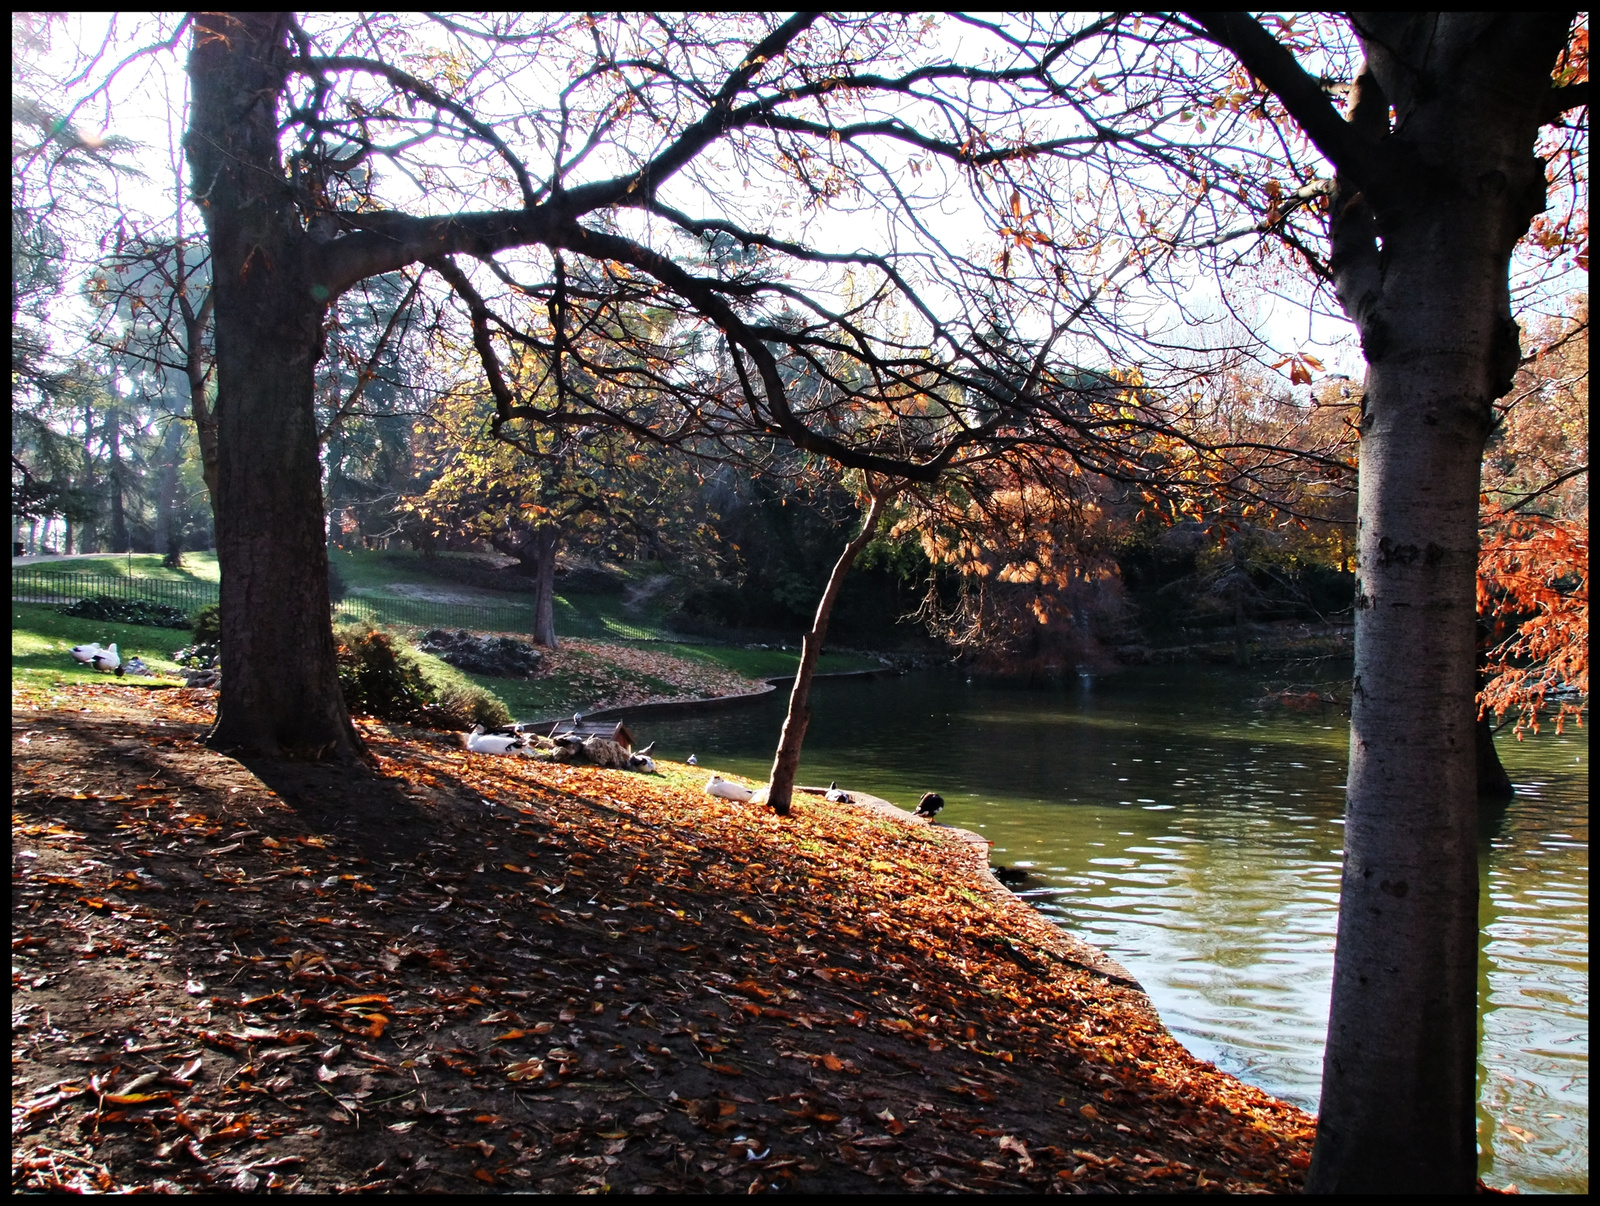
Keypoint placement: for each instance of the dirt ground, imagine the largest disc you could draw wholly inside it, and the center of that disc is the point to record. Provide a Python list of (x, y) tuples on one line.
[(463, 973)]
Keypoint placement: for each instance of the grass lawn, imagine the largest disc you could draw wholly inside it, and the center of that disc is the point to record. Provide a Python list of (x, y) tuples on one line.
[(197, 567), (41, 637)]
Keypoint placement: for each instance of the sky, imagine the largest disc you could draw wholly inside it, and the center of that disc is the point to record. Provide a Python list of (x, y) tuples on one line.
[(146, 105)]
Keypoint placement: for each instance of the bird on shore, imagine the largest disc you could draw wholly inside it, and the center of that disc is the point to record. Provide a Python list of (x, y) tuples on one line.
[(480, 742), (692, 760), (87, 653), (107, 659), (726, 789), (642, 762), (929, 805), (834, 795)]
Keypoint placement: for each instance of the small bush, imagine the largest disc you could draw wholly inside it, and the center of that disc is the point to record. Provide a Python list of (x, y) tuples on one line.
[(207, 625), (202, 655), (382, 676), (128, 611)]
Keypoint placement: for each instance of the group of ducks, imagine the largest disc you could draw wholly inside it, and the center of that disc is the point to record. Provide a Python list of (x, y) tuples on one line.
[(107, 660), (512, 740), (726, 789)]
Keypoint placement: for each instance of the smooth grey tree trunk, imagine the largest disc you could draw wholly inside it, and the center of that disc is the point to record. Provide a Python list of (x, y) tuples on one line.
[(1436, 181), (786, 762), (1422, 238)]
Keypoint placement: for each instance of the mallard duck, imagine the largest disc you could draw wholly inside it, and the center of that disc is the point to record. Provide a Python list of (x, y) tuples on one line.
[(836, 796), (929, 805), (725, 789), (480, 742)]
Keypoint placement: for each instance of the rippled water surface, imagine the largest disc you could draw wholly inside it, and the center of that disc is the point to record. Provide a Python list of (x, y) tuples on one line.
[(1168, 817)]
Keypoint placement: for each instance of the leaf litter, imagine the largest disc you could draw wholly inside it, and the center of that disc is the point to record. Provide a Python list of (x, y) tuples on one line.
[(467, 973)]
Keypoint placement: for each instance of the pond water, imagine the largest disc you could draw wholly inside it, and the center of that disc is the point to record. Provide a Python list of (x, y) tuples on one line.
[(1170, 817)]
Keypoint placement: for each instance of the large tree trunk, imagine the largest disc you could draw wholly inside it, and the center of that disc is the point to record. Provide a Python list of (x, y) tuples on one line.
[(280, 687), (1432, 304), (786, 762)]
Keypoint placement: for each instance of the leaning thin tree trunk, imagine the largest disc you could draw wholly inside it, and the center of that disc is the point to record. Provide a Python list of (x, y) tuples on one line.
[(786, 763), (280, 688)]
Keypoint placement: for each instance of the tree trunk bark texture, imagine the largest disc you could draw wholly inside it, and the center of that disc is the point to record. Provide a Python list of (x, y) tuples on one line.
[(545, 543), (280, 692), (1421, 258), (786, 762), (536, 551)]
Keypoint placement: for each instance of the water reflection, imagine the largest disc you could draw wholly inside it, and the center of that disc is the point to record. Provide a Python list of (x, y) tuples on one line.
[(1197, 837)]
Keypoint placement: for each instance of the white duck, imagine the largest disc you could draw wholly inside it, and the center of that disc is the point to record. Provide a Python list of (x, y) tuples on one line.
[(480, 742), (642, 762), (834, 795), (726, 789), (107, 659)]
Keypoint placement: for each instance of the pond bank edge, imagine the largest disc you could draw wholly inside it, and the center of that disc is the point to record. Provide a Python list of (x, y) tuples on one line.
[(1034, 940)]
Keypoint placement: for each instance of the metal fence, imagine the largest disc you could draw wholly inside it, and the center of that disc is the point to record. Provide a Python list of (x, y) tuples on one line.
[(33, 584), (420, 613)]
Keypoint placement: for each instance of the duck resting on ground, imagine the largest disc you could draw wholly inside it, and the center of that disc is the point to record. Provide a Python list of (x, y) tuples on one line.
[(480, 742), (836, 796), (725, 789), (642, 762), (929, 805)]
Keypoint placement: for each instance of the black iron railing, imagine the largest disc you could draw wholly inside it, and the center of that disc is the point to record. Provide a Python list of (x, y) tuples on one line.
[(37, 584)]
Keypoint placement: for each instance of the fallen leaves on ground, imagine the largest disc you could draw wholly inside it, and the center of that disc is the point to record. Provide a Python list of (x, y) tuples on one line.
[(469, 973)]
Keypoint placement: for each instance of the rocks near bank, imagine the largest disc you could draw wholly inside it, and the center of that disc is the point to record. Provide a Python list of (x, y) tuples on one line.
[(498, 657)]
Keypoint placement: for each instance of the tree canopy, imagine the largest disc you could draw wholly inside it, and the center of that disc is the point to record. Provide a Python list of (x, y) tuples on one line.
[(990, 256)]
